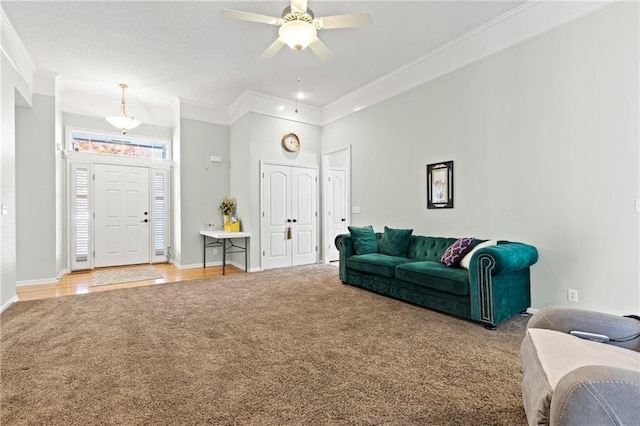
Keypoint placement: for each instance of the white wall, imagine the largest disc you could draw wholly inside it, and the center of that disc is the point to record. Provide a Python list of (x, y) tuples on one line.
[(36, 212), (544, 136), (264, 135), (203, 184)]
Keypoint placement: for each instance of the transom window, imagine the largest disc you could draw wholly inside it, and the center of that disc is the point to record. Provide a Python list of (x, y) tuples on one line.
[(97, 143)]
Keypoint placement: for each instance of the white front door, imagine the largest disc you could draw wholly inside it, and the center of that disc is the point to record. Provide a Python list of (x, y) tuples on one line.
[(289, 216), (337, 209), (121, 215)]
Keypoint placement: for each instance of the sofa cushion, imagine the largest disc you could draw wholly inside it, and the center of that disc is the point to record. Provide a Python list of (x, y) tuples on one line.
[(436, 276), (394, 242), (456, 251), (364, 239), (376, 263)]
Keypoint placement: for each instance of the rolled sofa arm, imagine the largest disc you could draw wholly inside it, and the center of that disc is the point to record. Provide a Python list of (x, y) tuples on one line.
[(596, 395), (506, 257), (344, 243), (571, 319)]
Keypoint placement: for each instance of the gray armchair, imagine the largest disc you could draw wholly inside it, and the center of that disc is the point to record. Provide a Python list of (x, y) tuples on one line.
[(570, 380)]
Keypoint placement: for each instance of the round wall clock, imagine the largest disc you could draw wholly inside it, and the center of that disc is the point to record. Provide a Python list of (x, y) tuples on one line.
[(291, 142)]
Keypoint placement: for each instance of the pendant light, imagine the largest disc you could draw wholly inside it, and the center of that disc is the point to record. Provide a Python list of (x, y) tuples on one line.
[(121, 121)]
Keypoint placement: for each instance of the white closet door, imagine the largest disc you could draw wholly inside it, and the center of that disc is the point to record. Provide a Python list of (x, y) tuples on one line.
[(275, 244), (121, 215), (304, 216), (337, 206), (289, 216)]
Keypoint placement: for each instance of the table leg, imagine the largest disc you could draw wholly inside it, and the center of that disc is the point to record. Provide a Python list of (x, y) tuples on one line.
[(246, 264), (204, 251), (224, 254)]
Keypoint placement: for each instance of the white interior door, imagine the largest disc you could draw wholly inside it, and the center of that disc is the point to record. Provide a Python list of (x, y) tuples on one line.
[(121, 215), (289, 216), (276, 200), (304, 216), (337, 209)]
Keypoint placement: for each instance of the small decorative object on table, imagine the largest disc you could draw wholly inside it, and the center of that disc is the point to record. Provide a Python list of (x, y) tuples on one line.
[(233, 225), (227, 207)]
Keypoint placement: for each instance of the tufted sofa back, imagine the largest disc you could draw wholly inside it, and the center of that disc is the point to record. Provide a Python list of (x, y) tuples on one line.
[(428, 248)]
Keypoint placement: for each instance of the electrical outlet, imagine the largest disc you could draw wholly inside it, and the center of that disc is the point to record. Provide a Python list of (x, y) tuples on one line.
[(215, 250), (572, 295)]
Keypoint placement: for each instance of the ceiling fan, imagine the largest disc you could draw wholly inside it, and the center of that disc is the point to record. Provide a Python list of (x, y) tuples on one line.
[(299, 27)]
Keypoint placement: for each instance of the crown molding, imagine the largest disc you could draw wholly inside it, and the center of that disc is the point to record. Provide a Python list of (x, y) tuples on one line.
[(273, 106), (45, 83), (14, 51), (524, 22), (195, 110)]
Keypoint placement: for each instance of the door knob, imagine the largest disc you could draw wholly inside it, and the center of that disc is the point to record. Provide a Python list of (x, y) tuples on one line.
[(343, 219), (144, 221), (288, 220), (295, 220)]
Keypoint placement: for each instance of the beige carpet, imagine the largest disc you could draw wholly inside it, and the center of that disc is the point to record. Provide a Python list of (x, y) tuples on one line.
[(124, 275), (292, 346)]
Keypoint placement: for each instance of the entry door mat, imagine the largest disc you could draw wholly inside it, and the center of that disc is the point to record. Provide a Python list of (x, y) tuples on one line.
[(124, 275)]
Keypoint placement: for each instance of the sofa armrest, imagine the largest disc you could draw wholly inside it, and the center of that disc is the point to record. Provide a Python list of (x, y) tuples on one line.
[(344, 243), (505, 257), (593, 395), (570, 319)]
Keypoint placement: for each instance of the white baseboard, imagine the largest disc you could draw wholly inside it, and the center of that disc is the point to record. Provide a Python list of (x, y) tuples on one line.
[(9, 303), (26, 283), (42, 280), (196, 265)]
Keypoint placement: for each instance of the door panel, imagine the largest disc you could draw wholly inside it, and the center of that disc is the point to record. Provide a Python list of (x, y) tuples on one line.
[(277, 189), (304, 194), (288, 202), (121, 201), (337, 188)]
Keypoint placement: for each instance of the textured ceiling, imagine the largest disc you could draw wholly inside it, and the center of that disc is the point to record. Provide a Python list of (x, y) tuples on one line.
[(186, 49)]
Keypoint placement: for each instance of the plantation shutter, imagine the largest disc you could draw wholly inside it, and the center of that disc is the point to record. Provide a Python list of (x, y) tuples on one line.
[(160, 215), (80, 209)]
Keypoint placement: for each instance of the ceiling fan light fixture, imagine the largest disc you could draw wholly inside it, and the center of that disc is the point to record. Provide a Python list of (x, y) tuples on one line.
[(121, 121), (297, 34)]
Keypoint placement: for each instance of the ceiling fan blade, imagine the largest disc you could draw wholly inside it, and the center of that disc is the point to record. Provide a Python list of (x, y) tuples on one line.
[(299, 5), (251, 17), (343, 21), (321, 50), (273, 49)]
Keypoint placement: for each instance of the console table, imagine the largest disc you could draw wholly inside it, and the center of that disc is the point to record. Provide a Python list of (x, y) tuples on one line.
[(225, 240)]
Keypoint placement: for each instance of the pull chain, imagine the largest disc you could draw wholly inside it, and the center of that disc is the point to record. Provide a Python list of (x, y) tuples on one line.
[(297, 79)]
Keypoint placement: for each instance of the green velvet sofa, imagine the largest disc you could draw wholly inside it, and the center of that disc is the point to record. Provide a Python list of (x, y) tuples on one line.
[(494, 288)]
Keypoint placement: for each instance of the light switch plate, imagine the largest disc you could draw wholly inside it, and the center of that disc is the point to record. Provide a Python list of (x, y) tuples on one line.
[(355, 209), (637, 206)]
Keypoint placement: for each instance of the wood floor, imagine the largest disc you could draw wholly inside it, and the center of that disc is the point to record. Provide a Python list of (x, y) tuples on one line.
[(80, 282)]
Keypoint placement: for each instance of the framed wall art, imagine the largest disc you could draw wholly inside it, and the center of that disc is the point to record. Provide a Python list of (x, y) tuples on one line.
[(440, 185)]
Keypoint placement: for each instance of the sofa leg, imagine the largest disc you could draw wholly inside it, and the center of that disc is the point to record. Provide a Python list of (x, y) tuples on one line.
[(490, 327)]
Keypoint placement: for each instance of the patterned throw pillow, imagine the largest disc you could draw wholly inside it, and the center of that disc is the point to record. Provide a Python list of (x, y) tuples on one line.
[(456, 251)]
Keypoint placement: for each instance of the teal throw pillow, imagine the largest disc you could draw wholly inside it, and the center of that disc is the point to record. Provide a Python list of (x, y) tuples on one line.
[(395, 242), (364, 239)]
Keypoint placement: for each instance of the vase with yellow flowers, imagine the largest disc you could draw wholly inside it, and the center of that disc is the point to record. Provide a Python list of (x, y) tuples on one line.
[(227, 207)]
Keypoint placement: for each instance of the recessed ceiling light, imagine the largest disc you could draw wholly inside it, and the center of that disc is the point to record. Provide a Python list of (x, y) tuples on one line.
[(301, 95), (280, 107)]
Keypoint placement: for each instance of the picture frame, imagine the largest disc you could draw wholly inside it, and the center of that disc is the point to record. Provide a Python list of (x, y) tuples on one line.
[(440, 185)]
